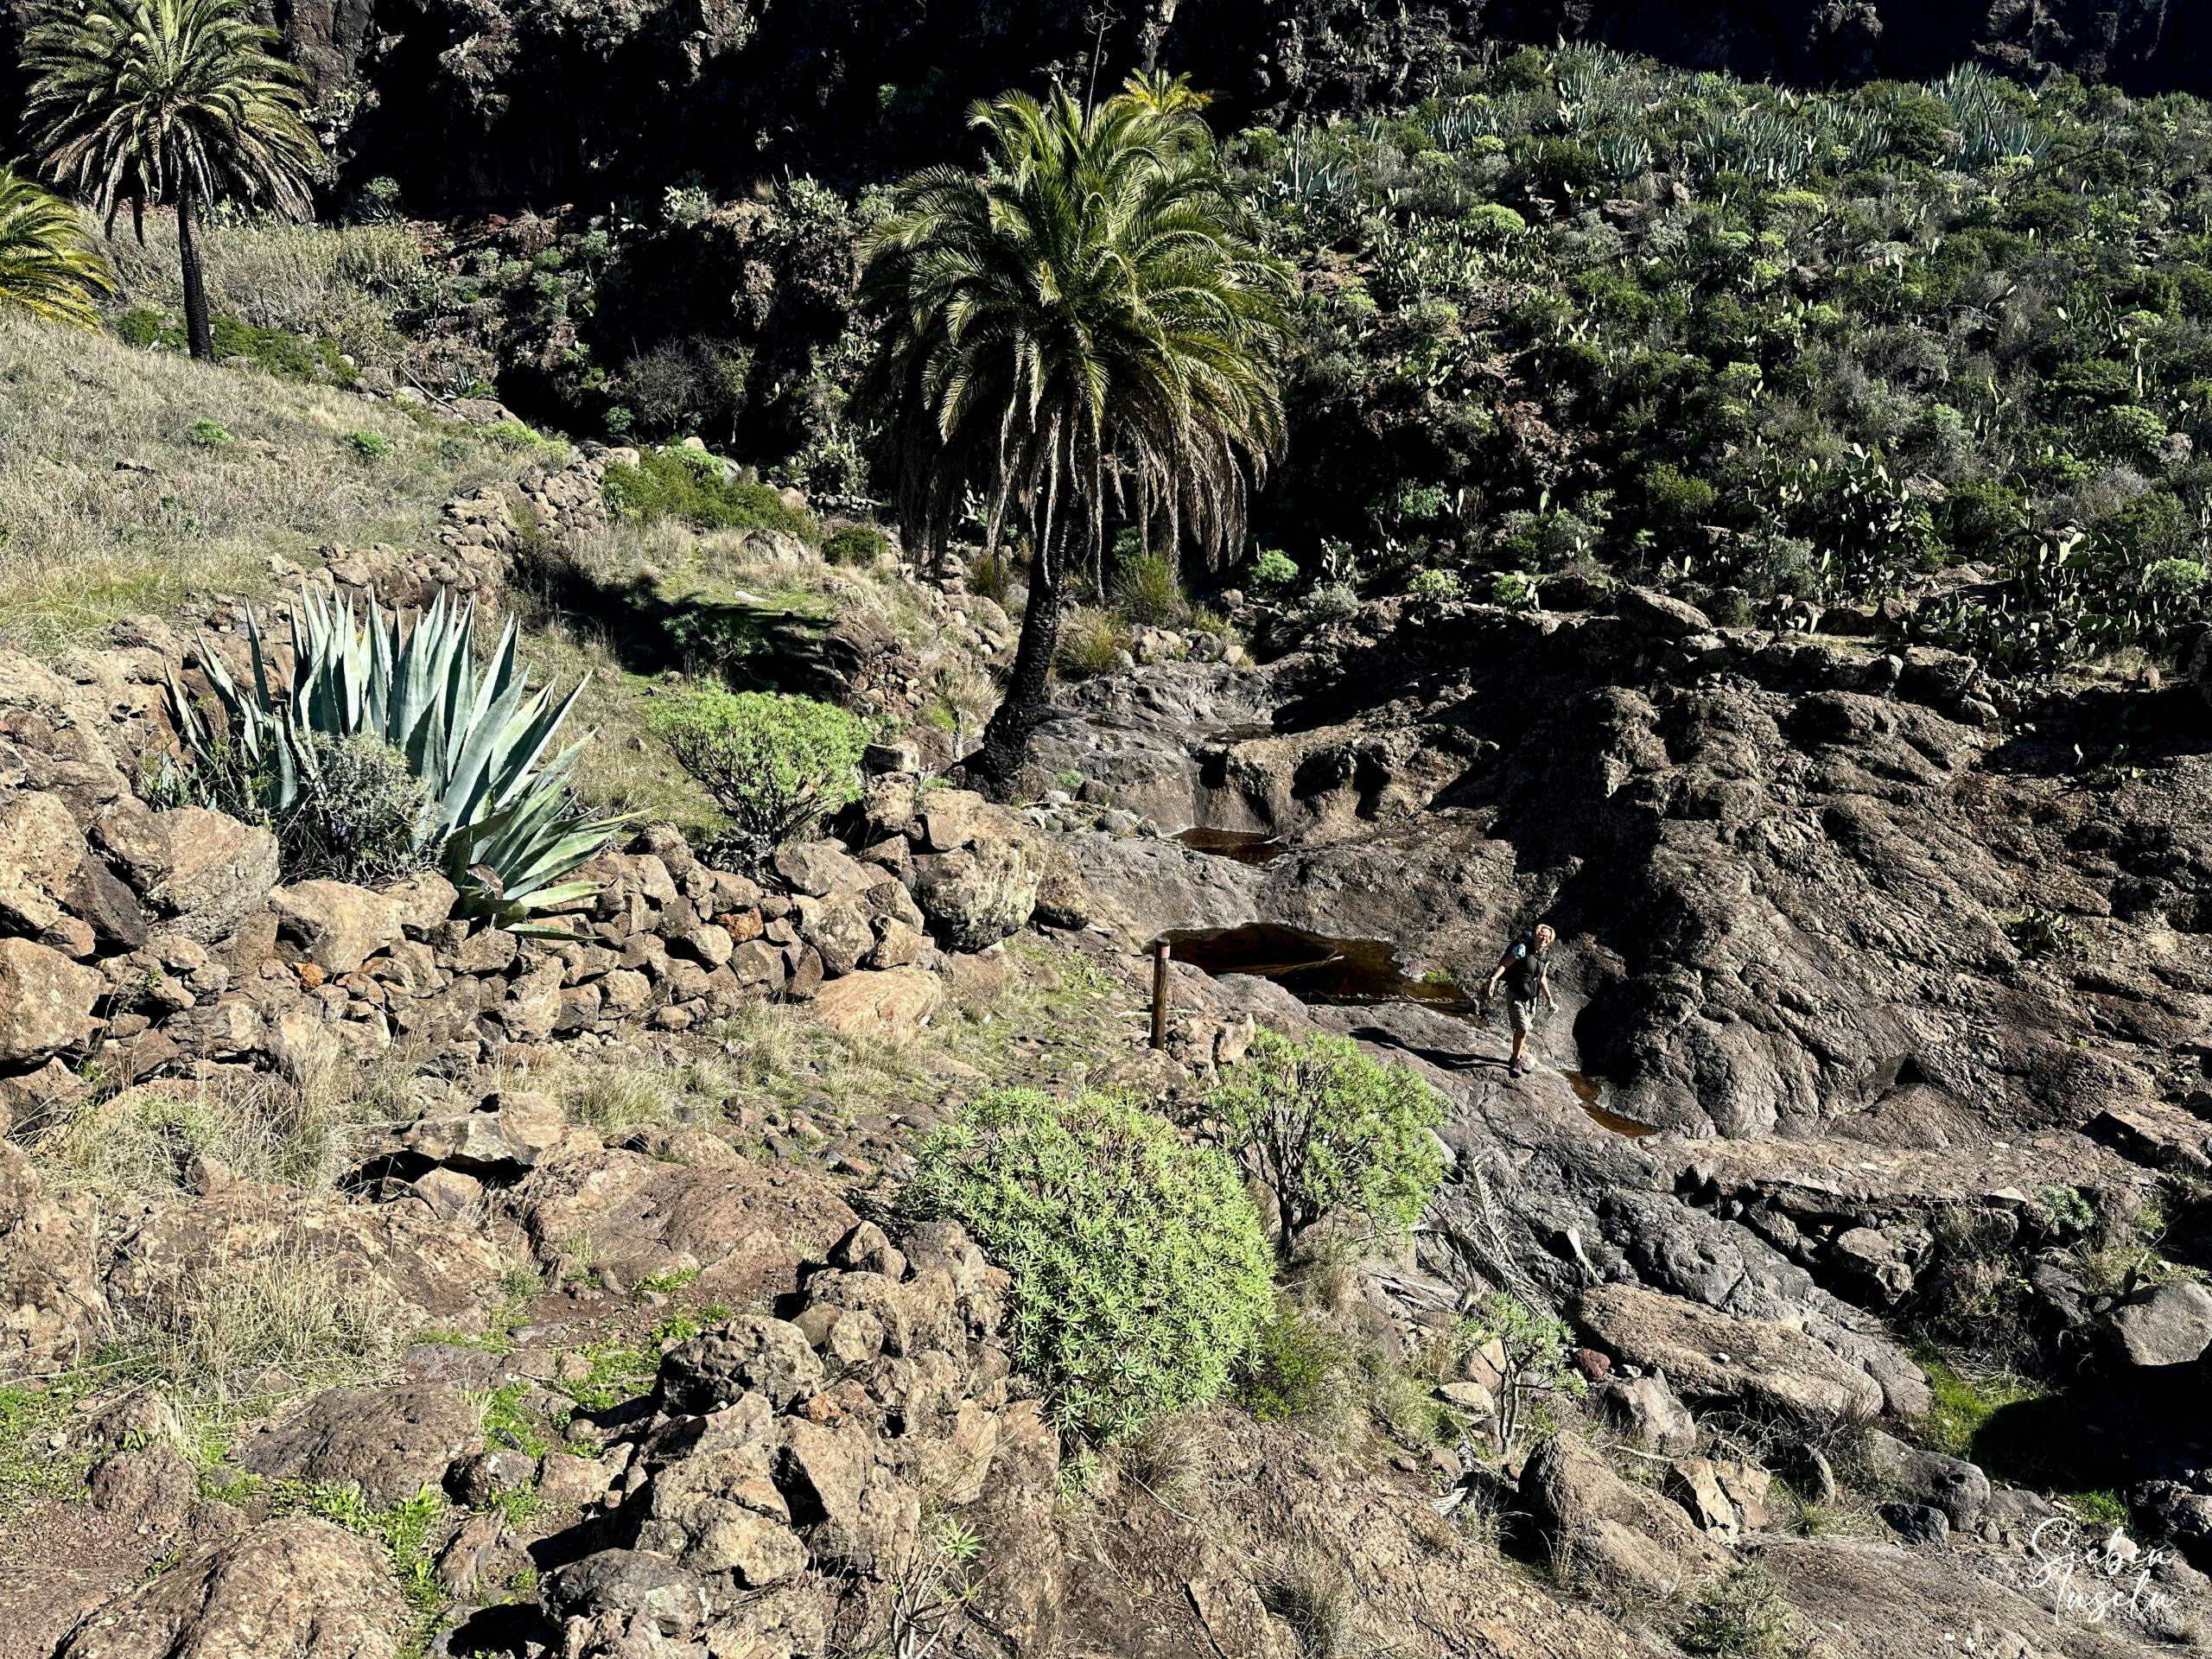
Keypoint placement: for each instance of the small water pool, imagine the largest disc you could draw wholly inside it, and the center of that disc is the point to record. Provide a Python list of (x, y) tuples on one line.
[(1587, 1091), (1314, 968), (1245, 846)]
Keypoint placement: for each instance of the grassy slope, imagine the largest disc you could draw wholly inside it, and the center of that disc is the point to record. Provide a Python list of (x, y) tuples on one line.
[(107, 508)]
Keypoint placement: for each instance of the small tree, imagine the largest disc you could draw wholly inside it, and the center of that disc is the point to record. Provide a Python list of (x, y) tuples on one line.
[(1140, 1274), (774, 763), (176, 101), (1535, 1346), (1328, 1129)]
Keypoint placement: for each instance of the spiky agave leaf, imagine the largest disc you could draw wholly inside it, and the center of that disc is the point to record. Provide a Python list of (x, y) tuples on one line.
[(498, 812)]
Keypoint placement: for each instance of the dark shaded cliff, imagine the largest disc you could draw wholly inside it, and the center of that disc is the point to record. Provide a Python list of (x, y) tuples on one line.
[(515, 103)]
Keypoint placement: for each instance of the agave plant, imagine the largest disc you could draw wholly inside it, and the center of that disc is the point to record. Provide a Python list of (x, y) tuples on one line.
[(498, 814)]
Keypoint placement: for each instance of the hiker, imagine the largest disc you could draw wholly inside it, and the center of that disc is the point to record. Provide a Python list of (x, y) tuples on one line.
[(1522, 968)]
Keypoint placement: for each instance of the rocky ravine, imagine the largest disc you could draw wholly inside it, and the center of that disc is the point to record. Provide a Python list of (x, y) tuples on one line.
[(1889, 962), (1887, 973)]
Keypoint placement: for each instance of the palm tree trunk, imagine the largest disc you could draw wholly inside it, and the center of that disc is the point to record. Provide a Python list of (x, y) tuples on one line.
[(198, 333), (1005, 740)]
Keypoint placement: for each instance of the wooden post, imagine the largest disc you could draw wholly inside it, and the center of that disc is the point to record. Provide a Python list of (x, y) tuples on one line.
[(1160, 994)]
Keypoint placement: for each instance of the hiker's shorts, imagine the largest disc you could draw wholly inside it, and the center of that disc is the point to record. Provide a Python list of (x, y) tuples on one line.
[(1523, 1016)]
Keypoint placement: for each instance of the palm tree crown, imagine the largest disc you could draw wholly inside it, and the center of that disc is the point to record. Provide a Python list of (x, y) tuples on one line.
[(46, 269), (179, 101), (1084, 329), (151, 101)]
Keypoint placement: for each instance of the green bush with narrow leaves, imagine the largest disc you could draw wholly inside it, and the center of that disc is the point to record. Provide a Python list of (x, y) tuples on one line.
[(1146, 591), (862, 545), (1331, 1132), (1296, 1367), (775, 764), (1141, 1276), (691, 486)]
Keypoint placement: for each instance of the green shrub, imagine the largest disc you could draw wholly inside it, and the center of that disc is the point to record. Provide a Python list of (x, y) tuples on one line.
[(1982, 515), (359, 811), (1329, 1130), (859, 545), (512, 436), (2176, 578), (1433, 587), (1494, 222), (1272, 571), (1294, 1369), (1513, 589), (1139, 1272), (774, 763), (370, 446), (689, 485), (1147, 593), (1743, 1617), (141, 325), (1091, 642), (208, 435), (280, 352), (1536, 1347), (1674, 499)]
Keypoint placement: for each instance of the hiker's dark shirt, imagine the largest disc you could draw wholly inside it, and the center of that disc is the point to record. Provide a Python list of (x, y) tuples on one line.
[(1524, 974)]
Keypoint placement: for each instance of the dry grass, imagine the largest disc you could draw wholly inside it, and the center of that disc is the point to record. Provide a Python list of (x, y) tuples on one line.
[(108, 509), (241, 1327), (341, 282), (302, 1132), (615, 1099)]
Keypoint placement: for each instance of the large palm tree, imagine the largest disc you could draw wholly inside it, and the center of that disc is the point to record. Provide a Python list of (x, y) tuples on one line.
[(176, 101), (46, 269), (1081, 334)]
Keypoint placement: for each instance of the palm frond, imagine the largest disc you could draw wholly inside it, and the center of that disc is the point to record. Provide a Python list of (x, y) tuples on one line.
[(47, 270)]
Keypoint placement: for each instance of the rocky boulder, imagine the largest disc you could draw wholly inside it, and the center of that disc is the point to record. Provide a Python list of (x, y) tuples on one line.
[(1911, 1475), (52, 1310), (1715, 1358), (890, 1007), (1647, 1412), (337, 926), (46, 1003), (976, 868), (2157, 1329), (746, 1226), (206, 871), (975, 896), (1625, 1540), (390, 1442), (507, 1133), (299, 1587), (40, 849)]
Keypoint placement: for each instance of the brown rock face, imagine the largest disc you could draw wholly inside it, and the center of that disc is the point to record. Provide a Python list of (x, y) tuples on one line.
[(299, 1587), (51, 1309), (205, 869), (748, 1225), (337, 926), (46, 1003), (40, 850), (390, 1442), (888, 1007), (1716, 1358), (1626, 1537)]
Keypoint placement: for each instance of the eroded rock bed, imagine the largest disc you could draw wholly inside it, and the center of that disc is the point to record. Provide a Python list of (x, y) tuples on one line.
[(1875, 1005)]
